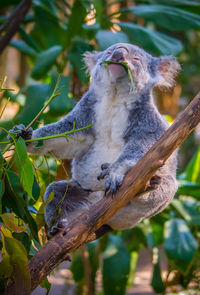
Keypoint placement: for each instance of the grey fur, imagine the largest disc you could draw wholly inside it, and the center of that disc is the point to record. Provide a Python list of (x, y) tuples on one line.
[(125, 126)]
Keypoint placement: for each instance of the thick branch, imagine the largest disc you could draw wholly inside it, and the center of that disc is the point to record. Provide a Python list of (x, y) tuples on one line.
[(13, 23), (83, 228)]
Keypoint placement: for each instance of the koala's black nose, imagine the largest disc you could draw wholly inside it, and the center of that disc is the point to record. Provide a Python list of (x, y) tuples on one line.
[(118, 55)]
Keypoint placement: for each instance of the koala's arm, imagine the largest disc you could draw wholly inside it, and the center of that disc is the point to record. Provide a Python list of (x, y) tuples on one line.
[(81, 116)]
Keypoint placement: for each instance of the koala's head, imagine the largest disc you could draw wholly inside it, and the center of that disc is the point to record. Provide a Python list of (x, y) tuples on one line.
[(146, 70)]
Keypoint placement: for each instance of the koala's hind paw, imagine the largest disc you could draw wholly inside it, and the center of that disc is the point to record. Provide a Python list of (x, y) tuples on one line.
[(153, 183), (57, 227), (21, 131)]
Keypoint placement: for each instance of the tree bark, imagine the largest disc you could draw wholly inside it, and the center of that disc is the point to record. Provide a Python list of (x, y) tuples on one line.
[(11, 25), (82, 228)]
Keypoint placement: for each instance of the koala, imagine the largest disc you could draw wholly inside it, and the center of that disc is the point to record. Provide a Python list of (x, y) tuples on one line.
[(125, 126)]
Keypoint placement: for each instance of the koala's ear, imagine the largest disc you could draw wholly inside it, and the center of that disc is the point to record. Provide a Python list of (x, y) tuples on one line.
[(166, 70), (90, 59)]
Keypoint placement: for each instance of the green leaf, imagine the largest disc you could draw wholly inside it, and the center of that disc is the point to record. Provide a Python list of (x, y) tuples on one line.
[(28, 39), (45, 284), (2, 188), (133, 265), (36, 189), (93, 258), (24, 166), (47, 31), (153, 41), (134, 238), (77, 268), (24, 238), (1, 163), (189, 210), (171, 18), (157, 282), (116, 266), (193, 168), (107, 38), (76, 21), (23, 47), (189, 189), (6, 269), (180, 245), (19, 261), (45, 60), (13, 223), (15, 200)]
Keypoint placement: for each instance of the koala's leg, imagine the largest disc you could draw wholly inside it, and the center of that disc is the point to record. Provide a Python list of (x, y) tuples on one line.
[(146, 204), (68, 197)]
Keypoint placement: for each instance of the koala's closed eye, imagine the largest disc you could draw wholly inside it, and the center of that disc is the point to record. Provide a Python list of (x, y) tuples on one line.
[(136, 58)]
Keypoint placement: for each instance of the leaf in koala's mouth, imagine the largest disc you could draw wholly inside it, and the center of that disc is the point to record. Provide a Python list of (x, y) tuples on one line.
[(126, 67)]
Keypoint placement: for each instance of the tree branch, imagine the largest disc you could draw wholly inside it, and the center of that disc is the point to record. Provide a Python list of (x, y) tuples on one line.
[(82, 228), (13, 22)]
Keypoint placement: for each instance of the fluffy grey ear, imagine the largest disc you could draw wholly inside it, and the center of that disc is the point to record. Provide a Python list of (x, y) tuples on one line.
[(166, 70), (90, 59)]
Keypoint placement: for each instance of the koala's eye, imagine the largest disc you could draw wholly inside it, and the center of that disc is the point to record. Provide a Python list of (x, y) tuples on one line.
[(136, 58), (108, 52)]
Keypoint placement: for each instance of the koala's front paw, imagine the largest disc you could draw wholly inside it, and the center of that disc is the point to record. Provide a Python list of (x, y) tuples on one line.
[(114, 180), (21, 131)]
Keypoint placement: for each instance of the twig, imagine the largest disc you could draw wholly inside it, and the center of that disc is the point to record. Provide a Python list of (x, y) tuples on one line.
[(1, 114), (53, 136)]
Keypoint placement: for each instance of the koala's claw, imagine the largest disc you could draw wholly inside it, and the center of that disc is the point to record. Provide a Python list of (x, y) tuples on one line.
[(20, 131), (113, 183)]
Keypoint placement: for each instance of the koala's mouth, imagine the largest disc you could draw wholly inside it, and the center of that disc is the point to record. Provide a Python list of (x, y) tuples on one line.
[(119, 69), (118, 66)]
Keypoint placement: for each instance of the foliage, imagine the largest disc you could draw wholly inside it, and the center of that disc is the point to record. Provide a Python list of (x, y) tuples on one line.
[(53, 38)]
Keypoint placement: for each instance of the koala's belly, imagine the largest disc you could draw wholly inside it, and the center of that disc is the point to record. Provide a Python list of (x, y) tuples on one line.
[(86, 169)]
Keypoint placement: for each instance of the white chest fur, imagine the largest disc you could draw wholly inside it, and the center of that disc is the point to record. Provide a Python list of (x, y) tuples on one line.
[(110, 124), (111, 121)]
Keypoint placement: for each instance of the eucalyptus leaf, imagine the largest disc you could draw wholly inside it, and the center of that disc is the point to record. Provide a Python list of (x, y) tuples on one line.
[(13, 223), (24, 166), (23, 47), (116, 266), (45, 60), (153, 41), (168, 17), (19, 261), (157, 282), (180, 244), (193, 168)]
